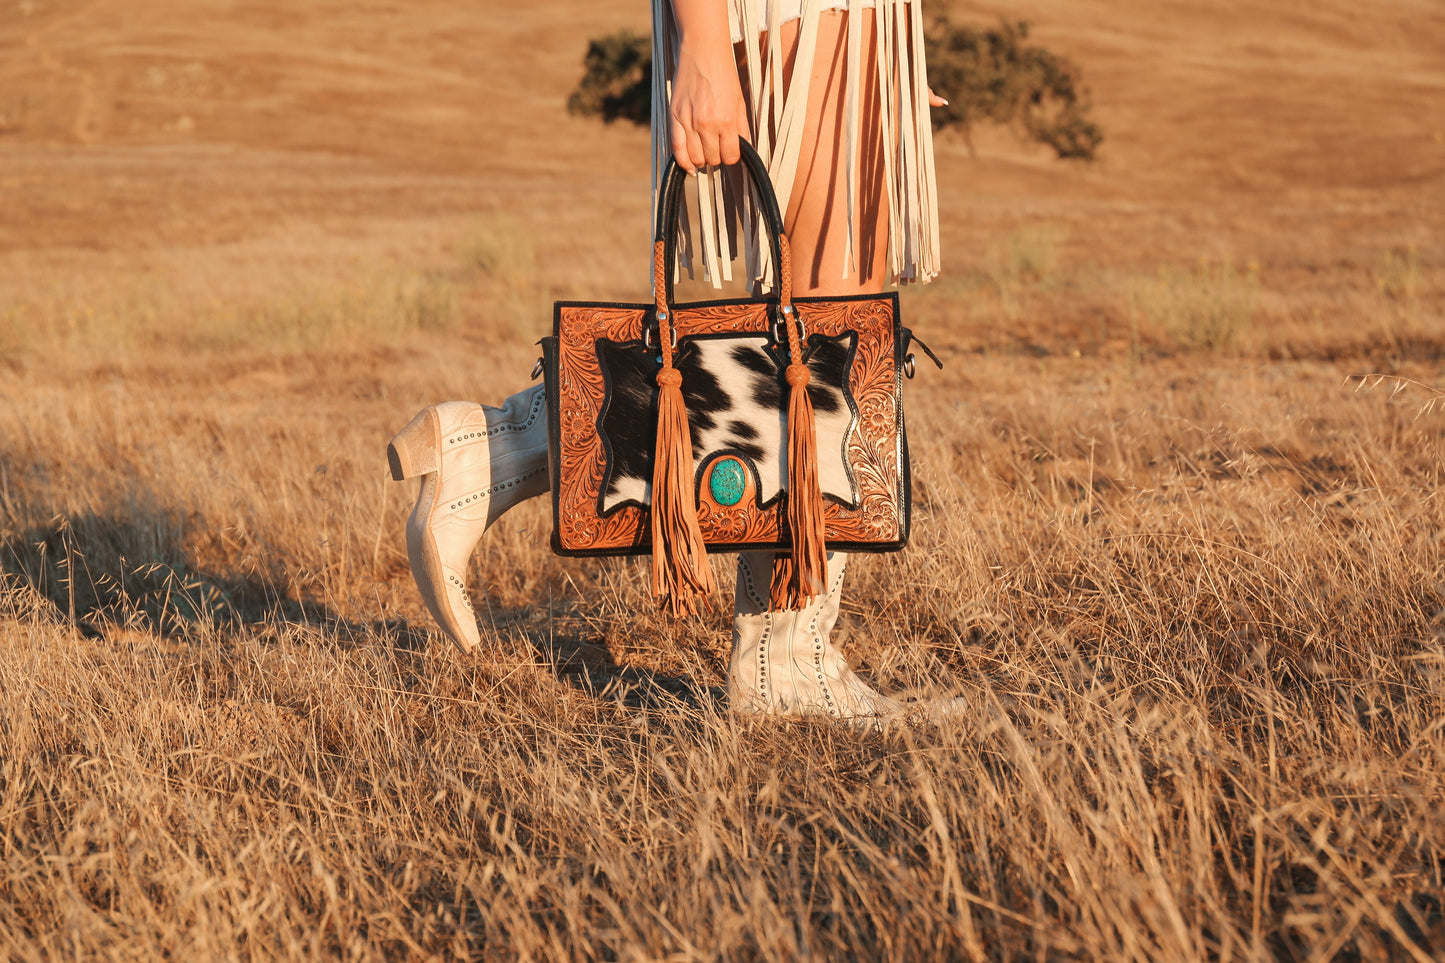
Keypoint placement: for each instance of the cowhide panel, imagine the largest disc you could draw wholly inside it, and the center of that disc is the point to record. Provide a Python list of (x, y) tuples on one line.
[(736, 399)]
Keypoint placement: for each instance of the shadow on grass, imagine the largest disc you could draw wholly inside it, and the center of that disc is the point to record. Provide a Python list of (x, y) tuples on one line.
[(98, 572), (129, 570), (569, 645)]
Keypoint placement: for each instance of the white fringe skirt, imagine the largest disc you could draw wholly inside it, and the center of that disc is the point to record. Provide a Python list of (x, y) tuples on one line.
[(778, 102)]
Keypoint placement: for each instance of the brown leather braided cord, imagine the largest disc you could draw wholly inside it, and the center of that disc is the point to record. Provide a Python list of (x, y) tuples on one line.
[(680, 569), (799, 578), (659, 280)]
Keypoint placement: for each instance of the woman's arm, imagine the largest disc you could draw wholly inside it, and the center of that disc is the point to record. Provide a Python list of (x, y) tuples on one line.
[(708, 113)]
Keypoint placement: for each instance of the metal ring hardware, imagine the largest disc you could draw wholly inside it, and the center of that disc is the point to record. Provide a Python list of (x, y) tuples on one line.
[(780, 335), (537, 369), (647, 336), (909, 368)]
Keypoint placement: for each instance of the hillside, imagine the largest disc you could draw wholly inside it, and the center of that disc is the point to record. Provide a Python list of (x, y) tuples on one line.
[(1299, 134)]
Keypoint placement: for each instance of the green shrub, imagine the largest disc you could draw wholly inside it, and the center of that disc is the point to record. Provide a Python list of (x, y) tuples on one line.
[(618, 81), (994, 75), (988, 75)]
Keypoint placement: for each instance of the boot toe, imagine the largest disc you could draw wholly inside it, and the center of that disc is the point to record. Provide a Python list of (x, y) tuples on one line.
[(447, 601), (437, 566), (457, 618)]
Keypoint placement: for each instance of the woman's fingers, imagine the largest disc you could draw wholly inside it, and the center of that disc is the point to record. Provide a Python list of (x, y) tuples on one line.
[(687, 147), (728, 143), (934, 100), (679, 147), (711, 144), (695, 148), (711, 148), (728, 150)]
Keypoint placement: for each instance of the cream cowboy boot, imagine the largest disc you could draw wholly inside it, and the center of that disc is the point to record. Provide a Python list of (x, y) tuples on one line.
[(476, 463), (783, 663)]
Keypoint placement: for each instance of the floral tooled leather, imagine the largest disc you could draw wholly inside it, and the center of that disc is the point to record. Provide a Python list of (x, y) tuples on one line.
[(874, 450)]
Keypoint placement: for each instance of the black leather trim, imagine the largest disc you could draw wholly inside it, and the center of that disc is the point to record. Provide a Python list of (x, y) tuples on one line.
[(905, 480), (716, 548), (670, 201), (554, 433)]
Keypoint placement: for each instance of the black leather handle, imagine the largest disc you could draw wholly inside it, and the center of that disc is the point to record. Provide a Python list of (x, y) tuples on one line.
[(670, 199)]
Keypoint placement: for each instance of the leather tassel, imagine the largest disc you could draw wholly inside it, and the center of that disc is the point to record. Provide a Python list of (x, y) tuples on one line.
[(799, 579), (781, 585), (680, 569)]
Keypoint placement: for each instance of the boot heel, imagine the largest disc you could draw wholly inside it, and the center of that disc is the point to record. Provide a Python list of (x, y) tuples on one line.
[(413, 451)]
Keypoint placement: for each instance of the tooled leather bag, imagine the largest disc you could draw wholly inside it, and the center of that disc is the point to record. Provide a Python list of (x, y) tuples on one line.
[(701, 404)]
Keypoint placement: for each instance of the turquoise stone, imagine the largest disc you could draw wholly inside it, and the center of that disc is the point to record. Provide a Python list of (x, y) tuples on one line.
[(727, 481)]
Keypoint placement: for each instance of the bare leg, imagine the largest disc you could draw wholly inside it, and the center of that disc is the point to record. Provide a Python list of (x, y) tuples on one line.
[(817, 215)]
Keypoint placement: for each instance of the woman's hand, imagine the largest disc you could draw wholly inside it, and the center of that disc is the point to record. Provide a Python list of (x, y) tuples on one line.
[(709, 113)]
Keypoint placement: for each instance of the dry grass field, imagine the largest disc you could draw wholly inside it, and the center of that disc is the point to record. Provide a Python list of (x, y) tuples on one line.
[(1189, 576)]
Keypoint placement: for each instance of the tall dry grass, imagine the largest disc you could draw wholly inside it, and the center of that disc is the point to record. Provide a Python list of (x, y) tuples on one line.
[(1193, 599), (1187, 579)]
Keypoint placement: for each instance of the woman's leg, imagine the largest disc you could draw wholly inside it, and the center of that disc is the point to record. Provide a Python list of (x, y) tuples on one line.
[(784, 661), (817, 214)]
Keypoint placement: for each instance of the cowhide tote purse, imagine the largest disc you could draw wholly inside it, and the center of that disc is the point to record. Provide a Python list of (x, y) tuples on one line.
[(771, 423)]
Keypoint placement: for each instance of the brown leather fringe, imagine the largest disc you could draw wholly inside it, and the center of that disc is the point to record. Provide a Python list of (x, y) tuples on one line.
[(798, 579), (780, 587), (680, 570)]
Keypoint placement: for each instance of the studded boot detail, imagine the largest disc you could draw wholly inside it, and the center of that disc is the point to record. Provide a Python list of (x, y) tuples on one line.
[(475, 463), (783, 662)]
